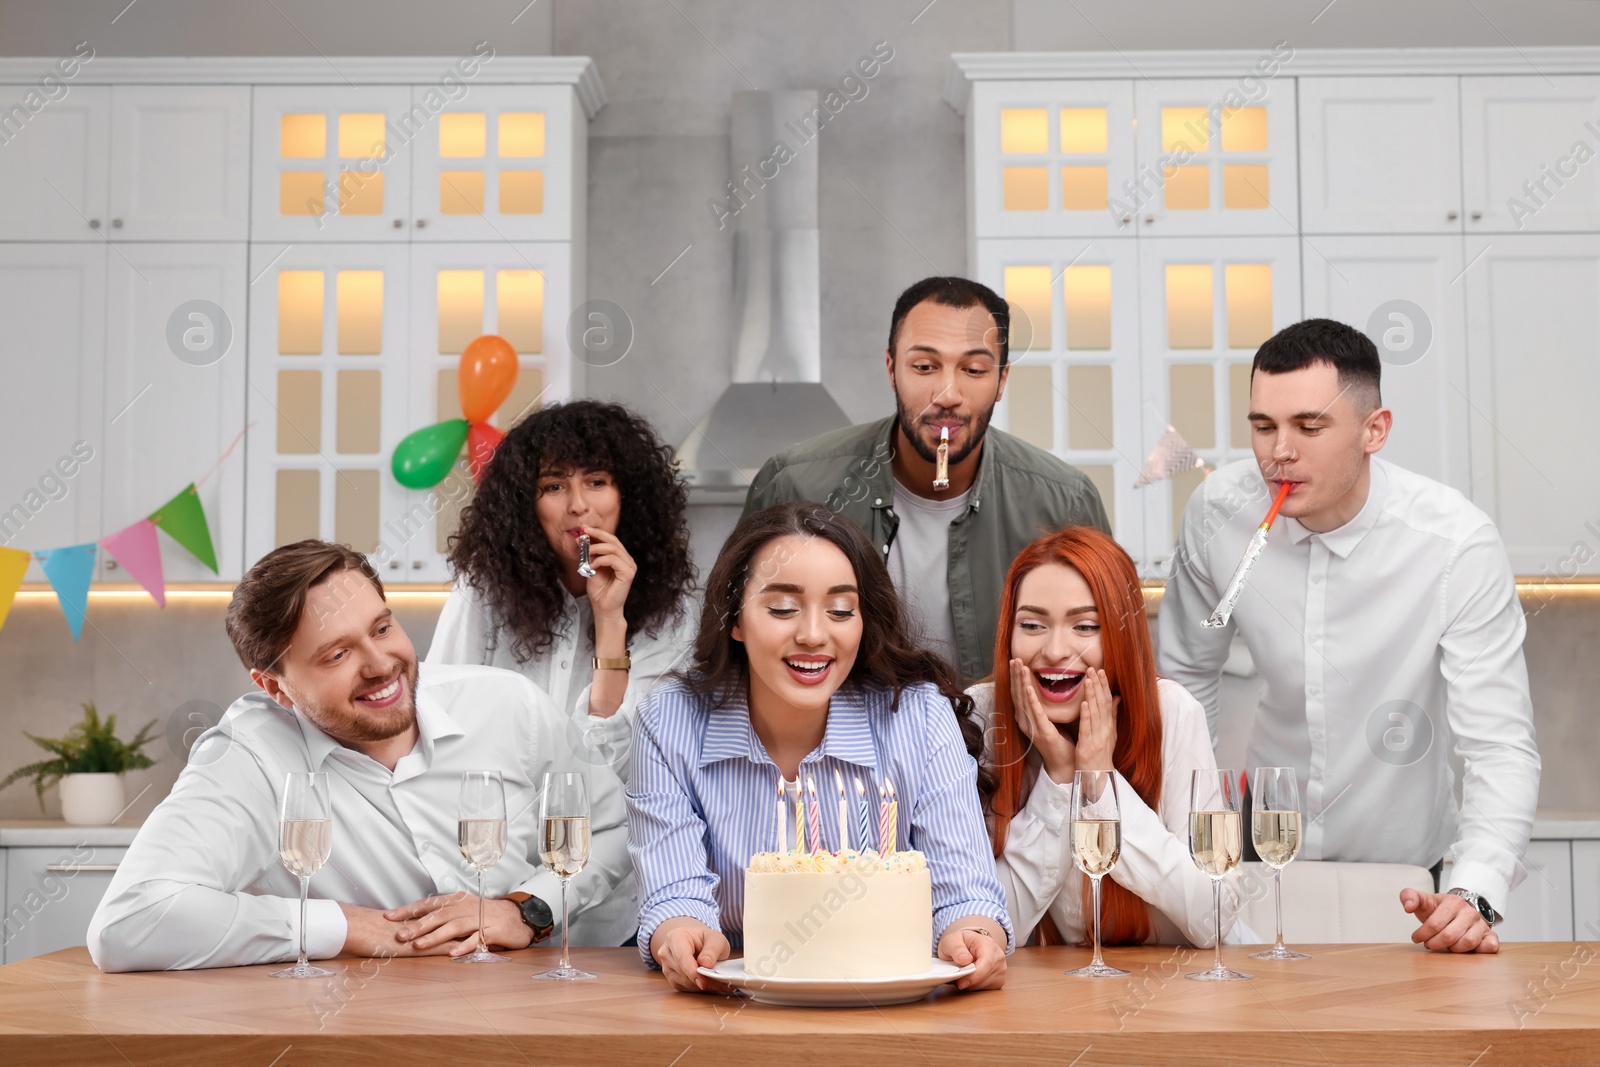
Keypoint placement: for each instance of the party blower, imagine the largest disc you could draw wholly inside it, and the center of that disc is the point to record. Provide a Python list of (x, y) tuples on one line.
[(1258, 544)]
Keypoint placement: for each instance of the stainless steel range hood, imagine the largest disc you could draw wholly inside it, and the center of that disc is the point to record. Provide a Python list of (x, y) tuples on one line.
[(777, 397)]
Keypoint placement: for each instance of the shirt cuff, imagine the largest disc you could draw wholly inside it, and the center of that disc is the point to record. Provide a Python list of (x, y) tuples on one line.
[(684, 907), (1483, 880), (1050, 801), (326, 927), (547, 887)]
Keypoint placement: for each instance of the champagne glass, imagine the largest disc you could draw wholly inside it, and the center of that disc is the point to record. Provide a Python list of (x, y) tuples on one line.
[(481, 833), (1216, 841), (1096, 847), (564, 847), (305, 837), (1275, 827)]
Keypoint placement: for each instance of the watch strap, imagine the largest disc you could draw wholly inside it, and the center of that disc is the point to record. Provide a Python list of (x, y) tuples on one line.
[(1485, 909), (535, 913)]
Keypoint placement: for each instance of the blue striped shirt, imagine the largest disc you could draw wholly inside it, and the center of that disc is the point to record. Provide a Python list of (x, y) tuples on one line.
[(703, 791)]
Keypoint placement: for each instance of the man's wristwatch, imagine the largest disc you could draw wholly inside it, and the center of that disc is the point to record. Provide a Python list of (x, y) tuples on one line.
[(536, 913), (1490, 916)]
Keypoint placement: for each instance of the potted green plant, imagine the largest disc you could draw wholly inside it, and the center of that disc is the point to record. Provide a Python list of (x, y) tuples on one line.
[(89, 762)]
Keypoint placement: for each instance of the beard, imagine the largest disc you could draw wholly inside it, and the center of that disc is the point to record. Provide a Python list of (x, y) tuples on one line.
[(910, 431), (350, 721)]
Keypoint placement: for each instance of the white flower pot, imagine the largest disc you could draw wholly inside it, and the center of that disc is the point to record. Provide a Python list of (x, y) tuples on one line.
[(91, 799)]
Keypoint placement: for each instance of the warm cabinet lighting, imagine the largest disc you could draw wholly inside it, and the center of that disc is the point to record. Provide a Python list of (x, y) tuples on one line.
[(355, 509), (299, 501), (360, 412), (300, 192), (299, 312), (521, 192), (1083, 188), (463, 135), (1186, 188), (460, 305), (1083, 129), (1089, 410), (1191, 403), (303, 136), (361, 136), (1244, 186), (1189, 305), (1249, 288), (519, 309), (299, 412), (1032, 396), (521, 134), (1087, 290), (1025, 188), (1024, 131), (360, 192), (1185, 128), (1244, 129), (360, 302), (461, 192), (1239, 404), (1027, 290)]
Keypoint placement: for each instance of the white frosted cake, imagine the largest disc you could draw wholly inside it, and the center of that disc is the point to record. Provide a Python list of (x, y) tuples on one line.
[(837, 914)]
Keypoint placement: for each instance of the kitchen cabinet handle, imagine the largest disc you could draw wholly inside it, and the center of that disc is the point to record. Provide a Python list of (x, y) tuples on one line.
[(399, 223), (116, 224), (422, 224), (76, 868), (1476, 215), (416, 564), (94, 224), (111, 564), (1127, 218), (1149, 219), (1452, 215), (394, 564)]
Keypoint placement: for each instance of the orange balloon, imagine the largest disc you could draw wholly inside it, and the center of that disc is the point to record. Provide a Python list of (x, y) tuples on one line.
[(487, 372)]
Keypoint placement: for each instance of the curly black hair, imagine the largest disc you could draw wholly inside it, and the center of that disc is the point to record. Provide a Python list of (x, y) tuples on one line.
[(502, 552)]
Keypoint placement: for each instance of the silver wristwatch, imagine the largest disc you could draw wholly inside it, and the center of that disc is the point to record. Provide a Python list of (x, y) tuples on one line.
[(1490, 916)]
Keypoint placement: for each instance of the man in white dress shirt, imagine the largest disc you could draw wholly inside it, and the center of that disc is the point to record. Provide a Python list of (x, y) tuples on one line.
[(202, 885), (1384, 618)]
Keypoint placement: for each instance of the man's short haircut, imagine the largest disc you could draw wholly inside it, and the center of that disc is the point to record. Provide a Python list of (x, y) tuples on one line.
[(956, 293), (268, 601), (1346, 349)]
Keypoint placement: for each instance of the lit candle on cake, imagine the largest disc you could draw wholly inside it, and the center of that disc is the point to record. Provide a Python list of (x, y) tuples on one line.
[(816, 816), (799, 817), (844, 814), (894, 817), (866, 825), (782, 815), (883, 821)]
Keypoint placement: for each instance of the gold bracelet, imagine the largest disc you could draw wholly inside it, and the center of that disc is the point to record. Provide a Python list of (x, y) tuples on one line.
[(619, 663)]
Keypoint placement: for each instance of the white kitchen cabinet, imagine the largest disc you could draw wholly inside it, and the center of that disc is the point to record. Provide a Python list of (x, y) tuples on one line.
[(1053, 157), (1380, 155), (333, 162), (1533, 314), (1540, 909), (1586, 890), (1074, 387), (1206, 305), (329, 386), (500, 164), (180, 163), (52, 894), (1407, 293), (53, 168), (175, 394), (1528, 146), (1214, 162), (53, 305)]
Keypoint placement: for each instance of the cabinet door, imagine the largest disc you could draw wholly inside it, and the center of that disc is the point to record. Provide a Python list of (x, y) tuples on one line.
[(1214, 161), (180, 163), (496, 165), (1533, 313), (1380, 155), (1074, 388), (1586, 889), (53, 167), (52, 347), (1206, 306), (1407, 294), (458, 292), (1049, 158), (175, 380), (329, 386), (1528, 146), (333, 162), (52, 894), (1540, 909)]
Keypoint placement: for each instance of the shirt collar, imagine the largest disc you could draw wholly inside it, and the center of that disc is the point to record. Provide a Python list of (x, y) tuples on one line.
[(1343, 540), (434, 723), (847, 738)]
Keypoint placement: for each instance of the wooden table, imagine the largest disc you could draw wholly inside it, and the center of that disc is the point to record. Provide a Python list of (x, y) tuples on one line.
[(1348, 1004)]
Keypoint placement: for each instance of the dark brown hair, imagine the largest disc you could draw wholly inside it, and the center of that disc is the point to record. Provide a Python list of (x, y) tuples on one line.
[(956, 293), (268, 600), (889, 657)]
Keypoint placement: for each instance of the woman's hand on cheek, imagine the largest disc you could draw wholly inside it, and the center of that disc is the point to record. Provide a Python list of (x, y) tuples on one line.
[(1097, 723), (1055, 748)]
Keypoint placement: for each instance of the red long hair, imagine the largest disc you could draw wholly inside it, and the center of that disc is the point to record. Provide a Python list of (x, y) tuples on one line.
[(1130, 666)]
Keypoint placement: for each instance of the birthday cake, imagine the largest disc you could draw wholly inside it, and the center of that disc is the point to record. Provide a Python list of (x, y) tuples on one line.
[(838, 915)]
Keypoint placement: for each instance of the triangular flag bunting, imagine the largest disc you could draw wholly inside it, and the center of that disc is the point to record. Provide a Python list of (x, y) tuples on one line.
[(185, 522), (13, 565), (69, 570), (136, 548), (1172, 455)]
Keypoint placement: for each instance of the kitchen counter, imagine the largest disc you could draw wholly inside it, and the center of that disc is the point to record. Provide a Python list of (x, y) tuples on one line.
[(50, 833)]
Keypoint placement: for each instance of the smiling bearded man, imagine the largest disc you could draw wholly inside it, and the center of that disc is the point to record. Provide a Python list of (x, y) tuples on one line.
[(341, 693)]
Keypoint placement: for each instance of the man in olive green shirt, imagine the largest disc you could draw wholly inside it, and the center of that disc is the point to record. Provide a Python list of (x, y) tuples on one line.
[(947, 549)]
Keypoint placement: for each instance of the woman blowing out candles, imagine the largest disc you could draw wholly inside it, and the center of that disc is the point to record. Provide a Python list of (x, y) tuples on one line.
[(1075, 688), (803, 666)]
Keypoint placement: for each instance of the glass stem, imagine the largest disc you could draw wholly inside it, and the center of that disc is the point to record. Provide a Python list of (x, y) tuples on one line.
[(565, 926), (483, 935), (1277, 897), (1097, 961), (305, 887), (1216, 911)]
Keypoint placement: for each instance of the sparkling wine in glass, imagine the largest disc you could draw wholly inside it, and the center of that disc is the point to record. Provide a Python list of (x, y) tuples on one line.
[(1096, 847), (305, 839), (1216, 841), (564, 848), (481, 834), (1275, 828)]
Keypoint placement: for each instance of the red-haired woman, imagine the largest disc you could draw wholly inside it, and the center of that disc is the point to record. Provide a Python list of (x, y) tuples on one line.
[(1075, 687)]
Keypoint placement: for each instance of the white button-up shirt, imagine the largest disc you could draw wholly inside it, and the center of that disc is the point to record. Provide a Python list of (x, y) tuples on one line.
[(1037, 868), (202, 886), (1385, 644)]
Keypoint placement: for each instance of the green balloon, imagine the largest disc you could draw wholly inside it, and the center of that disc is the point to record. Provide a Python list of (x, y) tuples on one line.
[(425, 456)]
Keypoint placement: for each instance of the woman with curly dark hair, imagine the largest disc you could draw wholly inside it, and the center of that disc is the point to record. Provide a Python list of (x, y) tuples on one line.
[(596, 644), (805, 664)]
